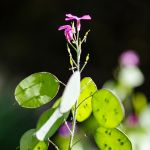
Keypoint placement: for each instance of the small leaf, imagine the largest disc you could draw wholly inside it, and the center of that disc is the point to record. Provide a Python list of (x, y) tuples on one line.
[(112, 139), (36, 90), (87, 57), (71, 93), (57, 103), (41, 146), (49, 122), (84, 108), (29, 142), (107, 109)]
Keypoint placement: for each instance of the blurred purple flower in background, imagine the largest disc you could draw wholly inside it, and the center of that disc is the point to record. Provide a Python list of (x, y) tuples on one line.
[(68, 31), (132, 120), (129, 58), (72, 17), (63, 130)]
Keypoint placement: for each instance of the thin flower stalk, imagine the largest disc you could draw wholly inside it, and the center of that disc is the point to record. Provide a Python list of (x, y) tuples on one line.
[(72, 34)]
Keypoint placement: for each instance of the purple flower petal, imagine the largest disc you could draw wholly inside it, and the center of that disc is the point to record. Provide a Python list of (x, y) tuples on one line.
[(68, 35), (78, 25), (64, 27), (71, 17), (68, 32), (86, 17)]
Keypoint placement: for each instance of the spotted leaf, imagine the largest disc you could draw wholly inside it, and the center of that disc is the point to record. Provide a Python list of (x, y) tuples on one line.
[(112, 139), (84, 108), (107, 109)]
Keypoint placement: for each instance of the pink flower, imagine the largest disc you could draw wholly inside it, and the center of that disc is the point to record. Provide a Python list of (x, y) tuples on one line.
[(68, 31), (72, 17), (129, 58)]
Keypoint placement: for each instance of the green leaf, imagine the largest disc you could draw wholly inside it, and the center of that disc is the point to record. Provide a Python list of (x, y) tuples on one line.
[(139, 101), (107, 109), (29, 142), (57, 103), (36, 90), (41, 146), (49, 122), (112, 139), (84, 108)]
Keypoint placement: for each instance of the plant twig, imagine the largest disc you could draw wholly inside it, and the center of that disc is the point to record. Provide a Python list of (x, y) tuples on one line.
[(73, 46), (86, 61), (62, 83), (79, 140), (83, 66), (76, 104), (68, 126), (73, 127), (85, 99), (71, 58), (72, 68), (53, 144), (85, 36)]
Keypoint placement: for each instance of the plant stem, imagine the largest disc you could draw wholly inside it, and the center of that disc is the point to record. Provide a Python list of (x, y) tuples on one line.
[(73, 128), (78, 47), (78, 140), (56, 147), (68, 127), (62, 83), (83, 66)]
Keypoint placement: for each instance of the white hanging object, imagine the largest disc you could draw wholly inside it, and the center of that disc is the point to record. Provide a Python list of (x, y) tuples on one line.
[(71, 93), (41, 133)]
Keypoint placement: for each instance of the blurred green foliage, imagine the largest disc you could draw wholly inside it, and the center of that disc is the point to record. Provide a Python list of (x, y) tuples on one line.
[(14, 121)]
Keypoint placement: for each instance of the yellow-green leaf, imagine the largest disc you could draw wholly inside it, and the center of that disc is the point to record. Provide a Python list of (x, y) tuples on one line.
[(107, 109), (112, 139), (57, 103), (41, 146), (84, 108)]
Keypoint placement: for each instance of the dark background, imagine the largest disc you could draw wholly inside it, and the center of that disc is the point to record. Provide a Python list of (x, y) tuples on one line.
[(30, 42)]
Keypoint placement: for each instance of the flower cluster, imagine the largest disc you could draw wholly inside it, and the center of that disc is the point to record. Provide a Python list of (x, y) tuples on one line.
[(68, 30)]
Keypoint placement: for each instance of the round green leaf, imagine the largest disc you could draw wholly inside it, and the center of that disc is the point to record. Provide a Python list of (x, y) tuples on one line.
[(29, 142), (36, 90), (112, 139), (84, 108), (49, 122), (107, 109)]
